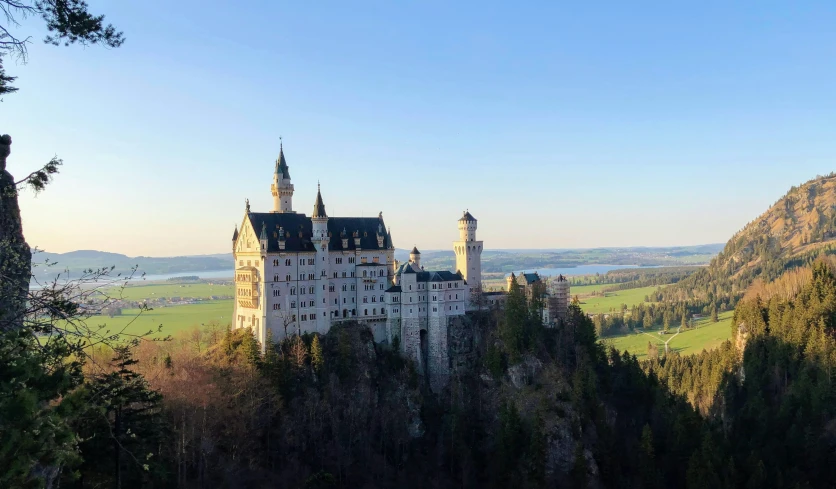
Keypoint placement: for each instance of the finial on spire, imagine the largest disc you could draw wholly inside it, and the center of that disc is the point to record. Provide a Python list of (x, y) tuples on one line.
[(247, 204)]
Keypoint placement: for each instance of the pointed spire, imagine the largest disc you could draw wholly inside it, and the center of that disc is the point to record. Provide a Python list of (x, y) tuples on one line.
[(263, 230), (281, 164), (235, 234), (414, 251), (319, 207)]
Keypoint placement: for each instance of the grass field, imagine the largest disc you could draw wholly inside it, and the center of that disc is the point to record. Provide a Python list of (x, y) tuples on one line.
[(173, 319), (136, 291), (706, 336), (612, 300)]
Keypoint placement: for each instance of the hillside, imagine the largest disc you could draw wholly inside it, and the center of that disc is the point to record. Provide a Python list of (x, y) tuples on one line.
[(792, 232), (77, 261)]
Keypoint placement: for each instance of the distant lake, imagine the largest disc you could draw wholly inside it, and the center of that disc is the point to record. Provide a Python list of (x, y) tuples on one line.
[(202, 274), (581, 270)]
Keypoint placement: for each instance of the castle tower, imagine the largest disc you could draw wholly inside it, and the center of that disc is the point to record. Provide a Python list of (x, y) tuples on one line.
[(415, 257), (469, 252), (320, 240), (281, 188)]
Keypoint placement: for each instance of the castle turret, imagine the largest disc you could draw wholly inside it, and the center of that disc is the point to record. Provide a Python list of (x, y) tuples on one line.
[(234, 237), (281, 188), (320, 240), (469, 252), (415, 257)]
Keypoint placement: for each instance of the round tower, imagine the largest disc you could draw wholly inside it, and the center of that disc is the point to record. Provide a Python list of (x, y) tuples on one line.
[(469, 253), (321, 240), (415, 257), (281, 188), (467, 227)]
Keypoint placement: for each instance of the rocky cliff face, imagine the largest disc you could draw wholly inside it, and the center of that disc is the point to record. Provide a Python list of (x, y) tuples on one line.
[(15, 256)]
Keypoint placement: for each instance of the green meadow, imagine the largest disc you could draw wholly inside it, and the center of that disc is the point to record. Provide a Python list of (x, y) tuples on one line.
[(138, 290), (705, 336), (611, 300), (173, 318)]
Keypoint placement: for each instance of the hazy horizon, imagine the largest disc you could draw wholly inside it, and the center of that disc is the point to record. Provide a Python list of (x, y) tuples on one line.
[(607, 125)]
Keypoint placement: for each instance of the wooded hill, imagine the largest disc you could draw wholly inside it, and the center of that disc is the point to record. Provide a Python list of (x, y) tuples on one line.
[(795, 230)]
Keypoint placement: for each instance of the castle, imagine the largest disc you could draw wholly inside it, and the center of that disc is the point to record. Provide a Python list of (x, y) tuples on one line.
[(296, 274)]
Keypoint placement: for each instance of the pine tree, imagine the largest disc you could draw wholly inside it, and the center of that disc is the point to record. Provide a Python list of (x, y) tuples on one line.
[(317, 359)]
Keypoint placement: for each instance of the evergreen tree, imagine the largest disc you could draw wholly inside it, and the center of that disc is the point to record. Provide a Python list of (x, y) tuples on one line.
[(512, 330), (121, 427), (317, 360)]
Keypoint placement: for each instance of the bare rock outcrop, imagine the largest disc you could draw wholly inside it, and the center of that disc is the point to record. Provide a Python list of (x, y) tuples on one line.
[(15, 256)]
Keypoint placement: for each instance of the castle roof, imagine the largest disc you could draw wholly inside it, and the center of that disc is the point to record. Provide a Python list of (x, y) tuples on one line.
[(414, 251), (467, 216), (235, 234), (319, 207), (281, 165), (298, 231), (394, 288), (429, 276), (528, 278)]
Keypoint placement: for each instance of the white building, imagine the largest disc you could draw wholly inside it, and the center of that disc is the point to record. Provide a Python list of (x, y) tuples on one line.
[(296, 274)]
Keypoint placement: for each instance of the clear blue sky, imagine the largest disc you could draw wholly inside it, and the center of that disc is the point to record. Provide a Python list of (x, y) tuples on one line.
[(598, 124)]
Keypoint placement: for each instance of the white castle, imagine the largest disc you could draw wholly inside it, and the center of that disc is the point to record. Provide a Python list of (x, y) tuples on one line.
[(296, 274)]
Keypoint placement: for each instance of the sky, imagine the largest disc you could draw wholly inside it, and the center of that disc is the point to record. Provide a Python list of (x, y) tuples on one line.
[(557, 124)]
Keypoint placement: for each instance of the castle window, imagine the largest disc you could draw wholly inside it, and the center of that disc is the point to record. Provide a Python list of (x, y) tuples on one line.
[(293, 291), (364, 273), (434, 298), (410, 287), (376, 259), (352, 287), (311, 289), (343, 274), (276, 307), (293, 305), (374, 299), (374, 311), (304, 317), (365, 312), (363, 259), (381, 298), (276, 263), (365, 300), (410, 299), (301, 261), (381, 273), (311, 304), (311, 261), (287, 262), (330, 288), (344, 287), (293, 318), (323, 273), (338, 261), (275, 278), (435, 309), (301, 276), (335, 274), (351, 259), (336, 301), (277, 293), (381, 286), (382, 311), (287, 278)]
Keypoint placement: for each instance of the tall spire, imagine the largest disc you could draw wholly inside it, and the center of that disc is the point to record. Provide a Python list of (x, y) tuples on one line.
[(281, 164), (319, 207)]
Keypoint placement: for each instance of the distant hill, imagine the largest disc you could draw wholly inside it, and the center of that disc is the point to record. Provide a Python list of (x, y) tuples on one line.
[(77, 261), (800, 226)]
